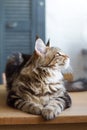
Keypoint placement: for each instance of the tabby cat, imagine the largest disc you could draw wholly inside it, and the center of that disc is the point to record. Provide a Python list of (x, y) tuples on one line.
[(36, 86)]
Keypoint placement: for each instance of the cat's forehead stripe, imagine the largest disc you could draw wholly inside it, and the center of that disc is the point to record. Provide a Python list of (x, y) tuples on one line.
[(55, 49)]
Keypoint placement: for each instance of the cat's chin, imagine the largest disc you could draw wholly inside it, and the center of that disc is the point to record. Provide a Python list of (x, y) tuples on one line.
[(67, 63)]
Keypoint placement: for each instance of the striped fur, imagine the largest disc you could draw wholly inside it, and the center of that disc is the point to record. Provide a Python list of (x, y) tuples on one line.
[(38, 87)]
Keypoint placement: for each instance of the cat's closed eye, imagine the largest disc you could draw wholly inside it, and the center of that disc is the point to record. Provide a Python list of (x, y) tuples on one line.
[(58, 54)]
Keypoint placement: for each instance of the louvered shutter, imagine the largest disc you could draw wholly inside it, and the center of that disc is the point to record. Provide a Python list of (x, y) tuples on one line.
[(17, 34)]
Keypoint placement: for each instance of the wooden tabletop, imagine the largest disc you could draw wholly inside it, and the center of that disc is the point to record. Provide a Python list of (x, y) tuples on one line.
[(76, 114)]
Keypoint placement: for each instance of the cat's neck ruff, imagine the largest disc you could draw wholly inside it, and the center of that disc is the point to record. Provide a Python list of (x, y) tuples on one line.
[(55, 77)]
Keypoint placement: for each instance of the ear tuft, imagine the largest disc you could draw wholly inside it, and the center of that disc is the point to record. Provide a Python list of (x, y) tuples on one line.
[(48, 43), (40, 47)]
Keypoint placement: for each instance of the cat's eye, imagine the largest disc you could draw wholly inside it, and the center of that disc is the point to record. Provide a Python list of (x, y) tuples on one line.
[(58, 54)]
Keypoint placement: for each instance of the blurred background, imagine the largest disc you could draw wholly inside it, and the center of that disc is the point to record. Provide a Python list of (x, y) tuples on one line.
[(63, 21), (66, 26)]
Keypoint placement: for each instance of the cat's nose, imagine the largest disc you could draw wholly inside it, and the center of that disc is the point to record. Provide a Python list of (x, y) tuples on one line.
[(65, 56)]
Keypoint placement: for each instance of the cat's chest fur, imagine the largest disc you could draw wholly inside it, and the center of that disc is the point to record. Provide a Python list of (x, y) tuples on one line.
[(53, 82), (55, 76)]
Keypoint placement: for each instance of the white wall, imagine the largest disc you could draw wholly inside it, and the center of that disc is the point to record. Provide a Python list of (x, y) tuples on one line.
[(66, 26)]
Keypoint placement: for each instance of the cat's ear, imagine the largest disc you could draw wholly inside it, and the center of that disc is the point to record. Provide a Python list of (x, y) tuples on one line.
[(37, 37), (48, 43), (40, 47)]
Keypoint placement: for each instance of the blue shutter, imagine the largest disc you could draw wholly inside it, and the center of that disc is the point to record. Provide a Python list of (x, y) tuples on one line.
[(17, 34)]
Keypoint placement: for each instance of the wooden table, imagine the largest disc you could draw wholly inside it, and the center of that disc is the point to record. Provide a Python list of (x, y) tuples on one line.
[(71, 119)]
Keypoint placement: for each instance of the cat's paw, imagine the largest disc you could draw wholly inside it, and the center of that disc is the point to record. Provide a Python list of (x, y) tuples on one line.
[(35, 110), (49, 114)]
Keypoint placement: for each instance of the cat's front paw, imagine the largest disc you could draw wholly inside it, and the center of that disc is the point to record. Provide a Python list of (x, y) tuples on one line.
[(35, 110), (49, 114)]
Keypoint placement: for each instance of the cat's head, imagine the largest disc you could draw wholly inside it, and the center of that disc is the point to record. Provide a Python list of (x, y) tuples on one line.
[(52, 57)]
